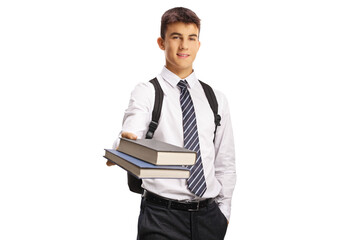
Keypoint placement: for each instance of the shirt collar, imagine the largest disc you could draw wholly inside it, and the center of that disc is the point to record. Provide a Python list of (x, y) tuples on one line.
[(173, 79)]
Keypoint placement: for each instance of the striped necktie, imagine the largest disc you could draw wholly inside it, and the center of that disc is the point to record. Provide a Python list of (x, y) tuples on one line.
[(196, 181)]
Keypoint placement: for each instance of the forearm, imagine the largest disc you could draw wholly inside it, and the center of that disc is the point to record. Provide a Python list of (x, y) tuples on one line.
[(225, 168)]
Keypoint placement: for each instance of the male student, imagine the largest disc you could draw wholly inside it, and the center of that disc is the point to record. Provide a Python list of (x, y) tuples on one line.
[(198, 207)]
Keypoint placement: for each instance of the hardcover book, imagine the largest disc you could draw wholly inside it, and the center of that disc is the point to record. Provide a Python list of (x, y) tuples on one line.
[(143, 169), (157, 152)]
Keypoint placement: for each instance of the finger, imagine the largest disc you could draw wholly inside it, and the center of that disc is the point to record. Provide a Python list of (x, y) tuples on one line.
[(129, 135), (110, 163)]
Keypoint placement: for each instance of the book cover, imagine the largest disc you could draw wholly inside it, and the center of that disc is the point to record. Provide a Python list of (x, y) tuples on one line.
[(157, 152), (142, 169)]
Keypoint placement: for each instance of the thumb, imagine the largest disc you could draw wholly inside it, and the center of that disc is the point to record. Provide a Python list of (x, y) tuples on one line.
[(128, 135)]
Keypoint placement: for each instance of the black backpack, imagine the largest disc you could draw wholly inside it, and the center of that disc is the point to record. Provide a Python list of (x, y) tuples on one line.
[(134, 183)]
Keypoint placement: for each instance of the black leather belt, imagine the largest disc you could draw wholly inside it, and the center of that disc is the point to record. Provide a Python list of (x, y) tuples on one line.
[(174, 204)]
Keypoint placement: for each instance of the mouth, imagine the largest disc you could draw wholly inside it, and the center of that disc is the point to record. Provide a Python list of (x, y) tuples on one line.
[(183, 55)]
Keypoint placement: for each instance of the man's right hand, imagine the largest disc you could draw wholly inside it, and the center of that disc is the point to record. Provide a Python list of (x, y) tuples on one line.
[(127, 135)]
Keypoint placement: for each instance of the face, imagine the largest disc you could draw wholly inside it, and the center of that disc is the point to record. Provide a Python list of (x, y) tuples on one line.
[(181, 45)]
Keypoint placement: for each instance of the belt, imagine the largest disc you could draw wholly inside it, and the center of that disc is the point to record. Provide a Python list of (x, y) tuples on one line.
[(190, 206)]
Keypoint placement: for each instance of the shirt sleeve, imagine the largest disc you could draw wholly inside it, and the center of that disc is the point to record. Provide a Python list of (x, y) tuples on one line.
[(137, 116), (225, 169)]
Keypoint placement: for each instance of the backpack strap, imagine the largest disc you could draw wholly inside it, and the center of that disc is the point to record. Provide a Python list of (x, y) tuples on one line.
[(134, 183), (210, 95), (159, 96)]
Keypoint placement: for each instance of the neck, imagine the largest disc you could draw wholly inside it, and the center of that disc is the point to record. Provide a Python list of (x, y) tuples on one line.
[(181, 73)]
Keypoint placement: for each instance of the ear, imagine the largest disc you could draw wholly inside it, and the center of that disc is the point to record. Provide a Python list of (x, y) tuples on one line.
[(161, 44)]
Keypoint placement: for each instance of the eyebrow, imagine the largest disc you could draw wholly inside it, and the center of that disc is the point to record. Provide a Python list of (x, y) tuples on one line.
[(179, 34)]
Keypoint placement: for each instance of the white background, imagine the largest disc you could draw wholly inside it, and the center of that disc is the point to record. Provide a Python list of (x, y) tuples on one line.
[(290, 70)]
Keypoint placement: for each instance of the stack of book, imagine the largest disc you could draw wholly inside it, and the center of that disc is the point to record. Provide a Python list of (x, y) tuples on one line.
[(149, 158)]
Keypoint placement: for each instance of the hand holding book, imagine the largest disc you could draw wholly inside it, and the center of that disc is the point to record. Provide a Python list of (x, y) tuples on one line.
[(150, 158), (127, 135)]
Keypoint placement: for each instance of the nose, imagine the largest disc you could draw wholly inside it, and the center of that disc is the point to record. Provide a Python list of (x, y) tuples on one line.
[(184, 45)]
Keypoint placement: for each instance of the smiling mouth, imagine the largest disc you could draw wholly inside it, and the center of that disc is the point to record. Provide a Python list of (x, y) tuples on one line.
[(182, 55)]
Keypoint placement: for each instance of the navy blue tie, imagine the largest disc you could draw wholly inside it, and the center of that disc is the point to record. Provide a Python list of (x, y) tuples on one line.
[(196, 181)]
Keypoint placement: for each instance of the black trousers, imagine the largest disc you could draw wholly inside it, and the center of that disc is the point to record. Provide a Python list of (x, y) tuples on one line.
[(161, 223)]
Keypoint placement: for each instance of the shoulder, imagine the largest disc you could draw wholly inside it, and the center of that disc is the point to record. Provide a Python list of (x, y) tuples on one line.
[(144, 87), (142, 96), (220, 96), (223, 107), (143, 90)]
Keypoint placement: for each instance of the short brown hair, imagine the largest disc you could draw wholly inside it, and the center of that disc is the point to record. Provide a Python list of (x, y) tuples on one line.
[(178, 14)]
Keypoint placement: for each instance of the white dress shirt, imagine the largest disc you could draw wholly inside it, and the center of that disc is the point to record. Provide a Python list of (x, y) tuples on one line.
[(218, 158)]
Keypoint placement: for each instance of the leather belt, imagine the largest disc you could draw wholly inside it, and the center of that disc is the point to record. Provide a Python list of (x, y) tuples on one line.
[(174, 204)]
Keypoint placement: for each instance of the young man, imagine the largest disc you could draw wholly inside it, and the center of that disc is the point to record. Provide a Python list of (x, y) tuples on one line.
[(180, 209)]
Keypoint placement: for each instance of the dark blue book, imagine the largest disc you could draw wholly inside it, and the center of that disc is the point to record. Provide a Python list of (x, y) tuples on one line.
[(142, 169)]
